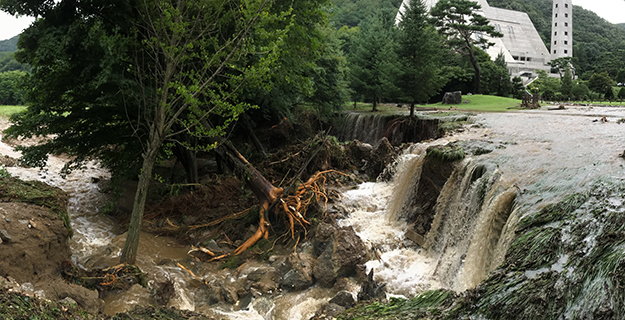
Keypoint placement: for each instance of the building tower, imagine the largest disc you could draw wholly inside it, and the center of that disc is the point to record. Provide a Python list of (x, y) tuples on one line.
[(562, 29)]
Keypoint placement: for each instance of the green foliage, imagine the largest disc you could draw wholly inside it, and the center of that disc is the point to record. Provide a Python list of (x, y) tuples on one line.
[(446, 153), (10, 93), (593, 36), (545, 85), (600, 82), (419, 53), (495, 76), (621, 93), (459, 21), (373, 63), (518, 89), (554, 212), (580, 91), (9, 45), (350, 13), (566, 83), (8, 63), (415, 308)]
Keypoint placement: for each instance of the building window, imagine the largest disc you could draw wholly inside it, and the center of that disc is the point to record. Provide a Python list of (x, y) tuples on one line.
[(556, 24), (566, 33), (566, 51), (566, 15), (566, 24), (556, 5), (555, 33), (556, 15), (555, 42), (566, 5), (554, 52), (566, 42), (529, 59)]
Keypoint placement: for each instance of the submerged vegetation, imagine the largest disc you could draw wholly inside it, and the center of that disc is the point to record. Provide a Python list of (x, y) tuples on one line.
[(567, 262)]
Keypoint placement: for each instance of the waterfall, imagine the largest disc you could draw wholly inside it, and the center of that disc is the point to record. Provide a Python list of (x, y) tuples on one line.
[(371, 128), (473, 222), (364, 127)]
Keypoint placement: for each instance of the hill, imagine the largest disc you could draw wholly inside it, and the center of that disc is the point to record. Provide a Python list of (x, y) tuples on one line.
[(597, 44), (9, 45)]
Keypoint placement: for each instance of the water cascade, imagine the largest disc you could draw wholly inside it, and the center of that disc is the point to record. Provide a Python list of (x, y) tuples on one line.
[(462, 213), (468, 228), (371, 128)]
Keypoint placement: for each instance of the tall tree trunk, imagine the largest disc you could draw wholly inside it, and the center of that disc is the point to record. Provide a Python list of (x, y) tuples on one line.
[(375, 103), (129, 252), (477, 82), (412, 109), (247, 122)]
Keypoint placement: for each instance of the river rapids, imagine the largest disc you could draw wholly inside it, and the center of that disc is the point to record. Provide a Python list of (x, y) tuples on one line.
[(535, 158)]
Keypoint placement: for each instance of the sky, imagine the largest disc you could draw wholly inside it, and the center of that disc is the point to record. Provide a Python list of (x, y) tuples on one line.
[(611, 10)]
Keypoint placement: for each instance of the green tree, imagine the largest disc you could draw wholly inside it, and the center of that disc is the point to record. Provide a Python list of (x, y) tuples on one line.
[(621, 94), (495, 76), (600, 82), (373, 64), (545, 85), (620, 77), (419, 55), (129, 78), (518, 89), (566, 83), (10, 94), (464, 27), (580, 91)]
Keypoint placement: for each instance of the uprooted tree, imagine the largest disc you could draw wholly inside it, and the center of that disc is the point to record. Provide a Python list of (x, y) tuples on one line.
[(114, 81)]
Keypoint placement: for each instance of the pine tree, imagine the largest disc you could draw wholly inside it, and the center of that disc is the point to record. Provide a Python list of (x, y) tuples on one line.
[(464, 27), (374, 61), (419, 52)]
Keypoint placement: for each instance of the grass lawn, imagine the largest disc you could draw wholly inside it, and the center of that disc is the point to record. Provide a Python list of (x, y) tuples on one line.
[(7, 111), (477, 102)]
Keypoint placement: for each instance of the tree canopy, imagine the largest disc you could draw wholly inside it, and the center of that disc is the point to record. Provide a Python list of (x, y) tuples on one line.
[(464, 28)]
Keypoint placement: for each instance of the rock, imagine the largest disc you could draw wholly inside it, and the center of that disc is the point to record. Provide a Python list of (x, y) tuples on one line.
[(264, 280), (4, 235), (295, 271), (344, 299), (371, 289), (454, 97), (364, 147), (328, 311), (341, 256), (67, 301), (381, 156)]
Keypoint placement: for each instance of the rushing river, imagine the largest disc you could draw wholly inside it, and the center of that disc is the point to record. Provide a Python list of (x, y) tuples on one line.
[(538, 157)]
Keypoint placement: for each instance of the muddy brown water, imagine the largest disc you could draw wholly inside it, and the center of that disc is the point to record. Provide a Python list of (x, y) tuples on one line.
[(542, 154)]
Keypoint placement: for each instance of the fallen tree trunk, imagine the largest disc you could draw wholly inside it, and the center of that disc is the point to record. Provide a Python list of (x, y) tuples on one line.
[(266, 192)]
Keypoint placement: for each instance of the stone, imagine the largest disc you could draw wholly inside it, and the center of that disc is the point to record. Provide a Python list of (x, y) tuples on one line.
[(344, 299), (5, 236), (329, 311), (341, 257), (296, 271), (454, 97)]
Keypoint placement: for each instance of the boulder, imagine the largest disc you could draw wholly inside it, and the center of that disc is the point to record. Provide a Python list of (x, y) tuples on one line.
[(454, 97), (265, 280), (342, 254), (295, 271), (344, 299)]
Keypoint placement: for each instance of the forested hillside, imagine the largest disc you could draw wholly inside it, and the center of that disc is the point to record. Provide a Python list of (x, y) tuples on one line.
[(351, 12), (598, 44), (9, 44)]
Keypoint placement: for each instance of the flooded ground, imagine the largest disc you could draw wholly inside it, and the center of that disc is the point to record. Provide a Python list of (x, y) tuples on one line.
[(543, 154)]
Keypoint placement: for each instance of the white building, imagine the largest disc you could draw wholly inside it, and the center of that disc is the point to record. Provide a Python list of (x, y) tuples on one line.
[(523, 49)]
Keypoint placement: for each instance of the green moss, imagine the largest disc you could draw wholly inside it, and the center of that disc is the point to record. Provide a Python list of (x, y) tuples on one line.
[(535, 249), (554, 212), (424, 305), (447, 153), (39, 193)]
